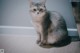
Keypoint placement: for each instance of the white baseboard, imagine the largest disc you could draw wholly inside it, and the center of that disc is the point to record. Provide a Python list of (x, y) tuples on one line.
[(21, 27), (28, 30)]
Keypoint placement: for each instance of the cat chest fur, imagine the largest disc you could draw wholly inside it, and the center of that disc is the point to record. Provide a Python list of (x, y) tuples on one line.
[(43, 24)]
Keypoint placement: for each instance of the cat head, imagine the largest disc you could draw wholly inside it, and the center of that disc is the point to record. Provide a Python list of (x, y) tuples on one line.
[(37, 9)]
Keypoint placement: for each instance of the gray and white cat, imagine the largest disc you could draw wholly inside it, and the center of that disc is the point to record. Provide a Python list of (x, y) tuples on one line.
[(50, 26)]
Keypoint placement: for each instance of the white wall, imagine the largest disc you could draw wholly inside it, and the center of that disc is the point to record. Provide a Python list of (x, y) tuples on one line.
[(16, 12)]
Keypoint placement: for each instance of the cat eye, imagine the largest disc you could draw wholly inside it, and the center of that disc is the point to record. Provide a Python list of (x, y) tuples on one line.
[(40, 9), (34, 9)]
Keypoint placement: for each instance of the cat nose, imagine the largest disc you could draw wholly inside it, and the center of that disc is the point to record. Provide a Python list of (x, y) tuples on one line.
[(37, 12)]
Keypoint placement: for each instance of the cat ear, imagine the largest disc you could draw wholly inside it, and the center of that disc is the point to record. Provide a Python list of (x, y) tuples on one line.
[(43, 2), (30, 2)]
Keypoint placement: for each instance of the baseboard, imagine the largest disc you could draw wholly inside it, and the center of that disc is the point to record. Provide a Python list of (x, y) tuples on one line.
[(28, 30), (17, 30)]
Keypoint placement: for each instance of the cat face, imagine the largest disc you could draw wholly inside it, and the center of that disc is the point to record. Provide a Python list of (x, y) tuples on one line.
[(37, 9)]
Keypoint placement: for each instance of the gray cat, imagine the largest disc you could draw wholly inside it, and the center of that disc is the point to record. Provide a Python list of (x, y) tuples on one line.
[(50, 26)]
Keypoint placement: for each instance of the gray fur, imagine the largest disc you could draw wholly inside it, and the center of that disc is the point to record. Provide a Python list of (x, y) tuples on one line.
[(50, 26)]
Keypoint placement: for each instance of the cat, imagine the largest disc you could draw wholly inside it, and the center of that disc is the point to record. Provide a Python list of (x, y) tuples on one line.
[(50, 26)]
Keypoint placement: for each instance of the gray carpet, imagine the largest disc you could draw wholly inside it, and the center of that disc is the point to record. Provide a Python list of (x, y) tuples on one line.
[(27, 44)]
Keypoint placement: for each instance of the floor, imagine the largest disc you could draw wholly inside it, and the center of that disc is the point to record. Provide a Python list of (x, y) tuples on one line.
[(27, 44)]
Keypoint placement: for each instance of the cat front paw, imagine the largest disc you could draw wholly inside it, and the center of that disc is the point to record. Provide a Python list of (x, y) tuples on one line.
[(43, 43), (38, 41)]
